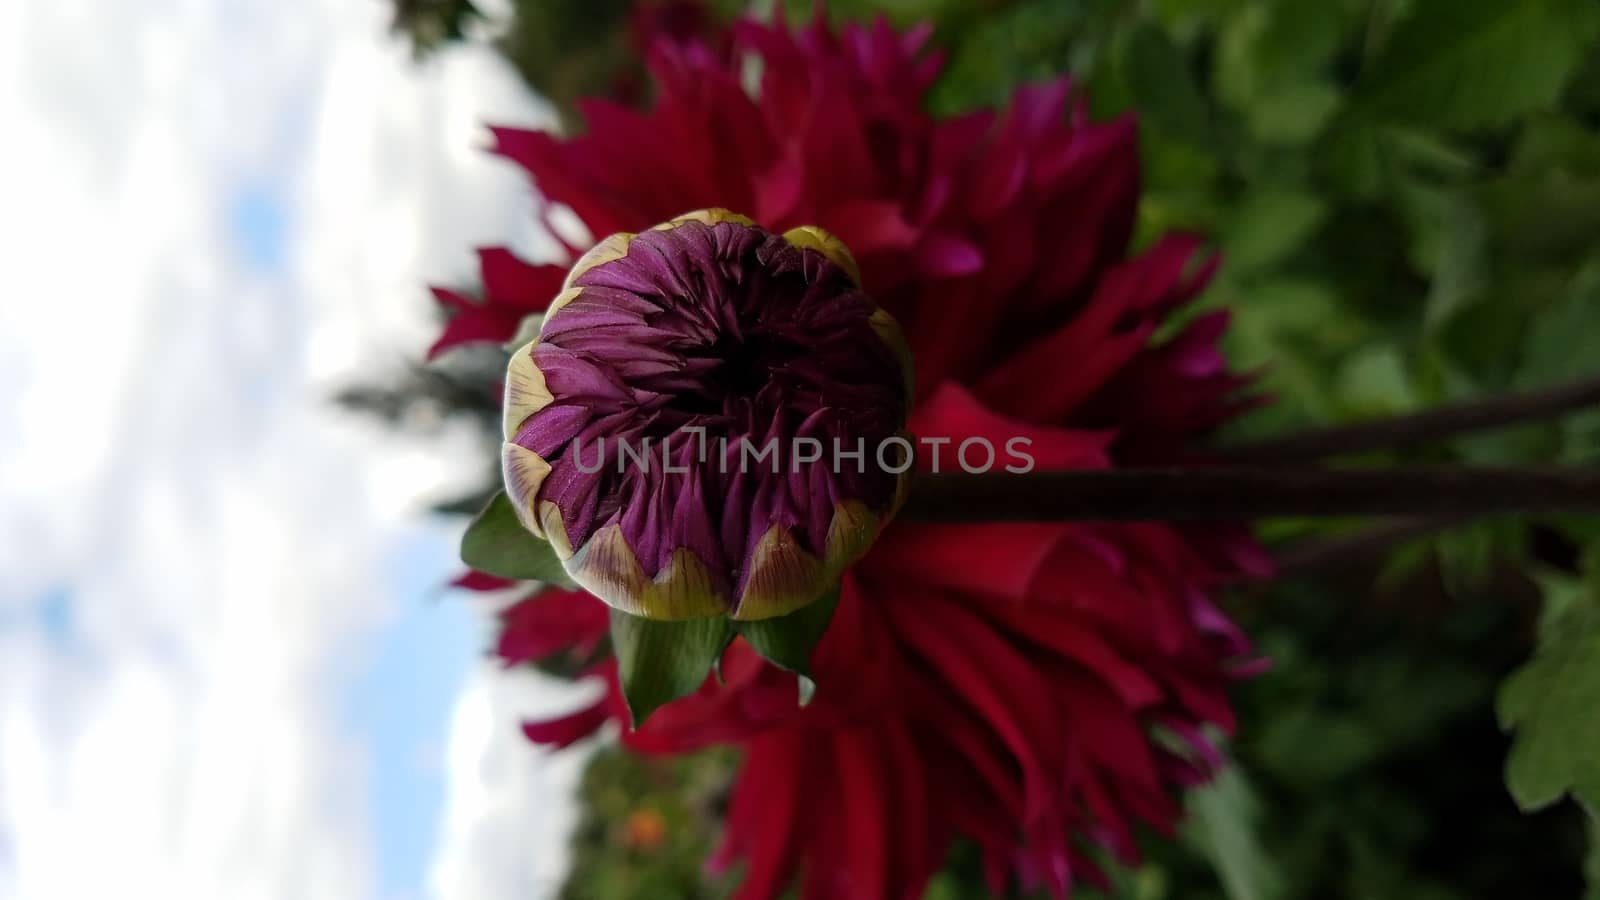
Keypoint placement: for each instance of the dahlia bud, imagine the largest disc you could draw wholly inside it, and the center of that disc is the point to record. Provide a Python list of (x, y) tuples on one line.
[(705, 424)]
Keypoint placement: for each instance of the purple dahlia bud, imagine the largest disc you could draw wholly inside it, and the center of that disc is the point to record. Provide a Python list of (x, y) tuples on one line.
[(706, 423)]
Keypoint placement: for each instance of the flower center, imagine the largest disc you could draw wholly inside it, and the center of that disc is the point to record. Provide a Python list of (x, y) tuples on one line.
[(748, 364), (739, 368)]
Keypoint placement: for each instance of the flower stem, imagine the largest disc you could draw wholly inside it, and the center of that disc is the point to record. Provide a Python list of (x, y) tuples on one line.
[(1432, 424), (1241, 493)]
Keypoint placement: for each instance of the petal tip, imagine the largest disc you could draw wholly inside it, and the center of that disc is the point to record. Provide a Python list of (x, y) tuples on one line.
[(524, 472), (607, 567), (613, 247), (781, 578), (526, 392), (715, 215), (811, 237)]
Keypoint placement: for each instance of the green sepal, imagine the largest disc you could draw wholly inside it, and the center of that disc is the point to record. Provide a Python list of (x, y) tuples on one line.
[(787, 641), (496, 543), (808, 689), (659, 661)]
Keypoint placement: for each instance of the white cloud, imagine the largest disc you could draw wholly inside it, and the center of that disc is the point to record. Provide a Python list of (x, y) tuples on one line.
[(510, 802), (166, 456)]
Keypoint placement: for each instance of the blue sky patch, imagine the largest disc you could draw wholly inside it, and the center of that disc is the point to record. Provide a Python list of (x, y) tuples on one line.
[(402, 702), (53, 614), (260, 225)]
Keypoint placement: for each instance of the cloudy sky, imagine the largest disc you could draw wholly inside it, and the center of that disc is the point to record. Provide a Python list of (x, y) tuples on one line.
[(227, 669)]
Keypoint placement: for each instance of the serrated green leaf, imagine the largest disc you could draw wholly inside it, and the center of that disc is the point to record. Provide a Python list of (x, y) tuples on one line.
[(1476, 63), (660, 661), (1552, 703), (786, 641), (497, 543), (1564, 597)]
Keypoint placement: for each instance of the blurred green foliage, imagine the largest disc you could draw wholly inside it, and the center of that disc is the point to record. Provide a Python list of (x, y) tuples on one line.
[(572, 50), (1407, 194), (428, 24), (564, 50), (648, 825)]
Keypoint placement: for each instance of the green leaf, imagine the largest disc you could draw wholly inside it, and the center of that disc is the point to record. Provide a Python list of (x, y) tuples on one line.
[(1555, 142), (1468, 554), (497, 543), (786, 641), (1352, 157), (1563, 342), (1375, 381), (1294, 113), (1310, 747), (1476, 63), (1549, 215), (1583, 92), (1564, 597), (1432, 155), (1163, 87), (1222, 824), (1461, 270), (1008, 45), (1265, 44), (1269, 224), (1270, 65), (659, 661), (1553, 704)]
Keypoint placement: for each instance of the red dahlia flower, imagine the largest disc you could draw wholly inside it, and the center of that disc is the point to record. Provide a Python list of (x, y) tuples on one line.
[(995, 682)]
